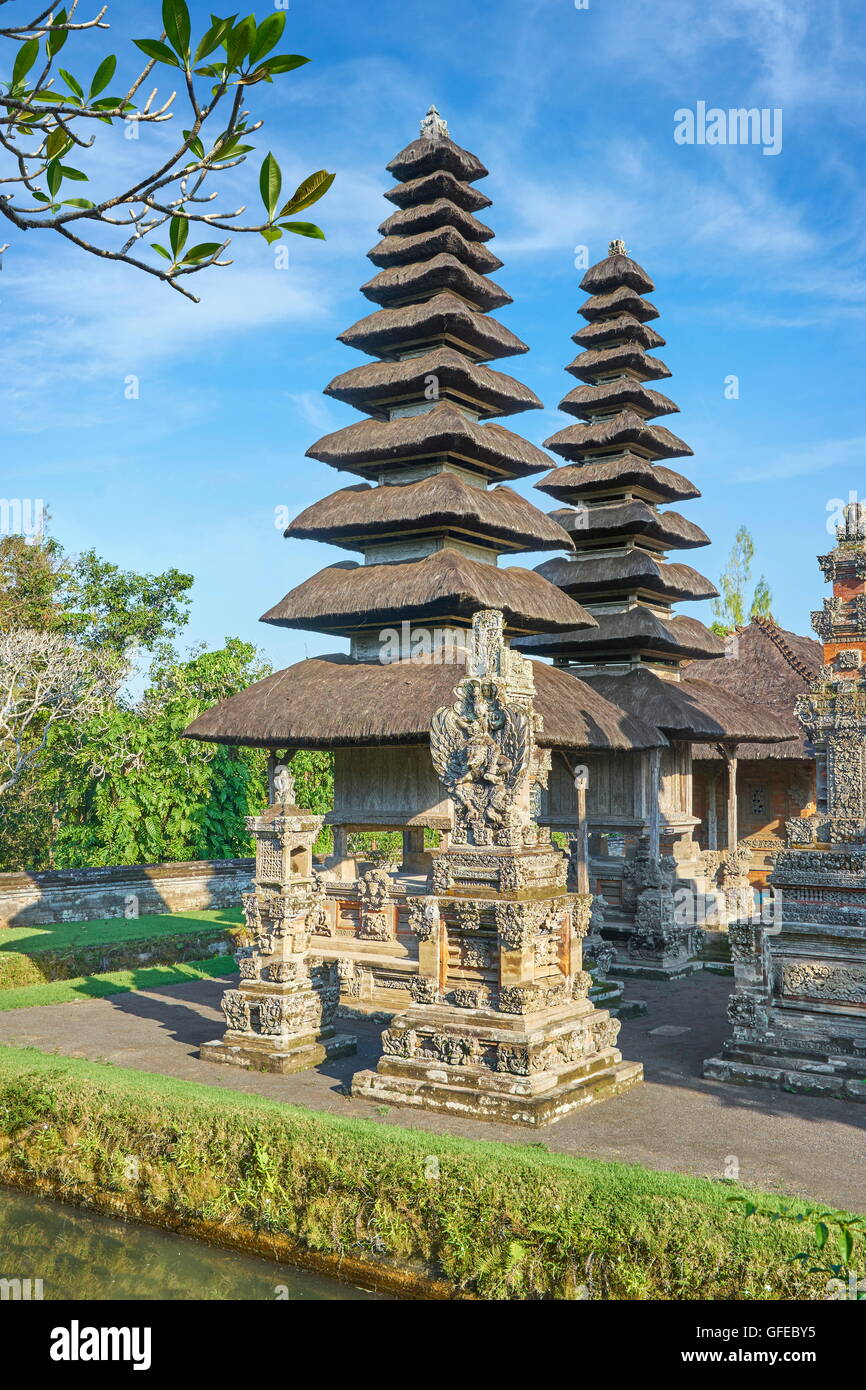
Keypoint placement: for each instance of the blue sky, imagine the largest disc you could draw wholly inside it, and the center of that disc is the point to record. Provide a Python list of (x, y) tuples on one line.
[(758, 262)]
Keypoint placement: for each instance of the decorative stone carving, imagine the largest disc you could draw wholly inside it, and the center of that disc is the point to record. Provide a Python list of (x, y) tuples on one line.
[(423, 917), (236, 1008)]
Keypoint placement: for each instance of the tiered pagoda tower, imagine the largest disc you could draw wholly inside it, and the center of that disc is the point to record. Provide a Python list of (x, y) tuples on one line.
[(430, 518), (615, 482)]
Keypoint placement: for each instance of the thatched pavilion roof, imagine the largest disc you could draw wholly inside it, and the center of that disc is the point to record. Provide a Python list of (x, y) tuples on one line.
[(445, 587), (576, 482), (430, 188), (623, 393), (428, 156), (598, 577), (405, 283), (625, 430), (445, 239), (334, 702), (637, 631), (622, 329), (444, 319), (412, 221), (631, 519), (624, 356), (616, 270), (693, 708), (375, 386), (443, 501), (771, 667)]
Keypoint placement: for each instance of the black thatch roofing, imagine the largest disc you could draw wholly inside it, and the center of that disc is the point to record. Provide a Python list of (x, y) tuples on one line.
[(430, 156), (368, 447), (440, 184), (586, 401), (445, 585), (427, 217), (401, 283), (590, 576), (623, 328), (442, 503), (376, 385), (574, 481), (444, 318), (334, 702), (589, 365), (636, 631), (694, 709), (615, 270), (621, 300), (447, 239), (613, 519), (771, 667), (625, 430)]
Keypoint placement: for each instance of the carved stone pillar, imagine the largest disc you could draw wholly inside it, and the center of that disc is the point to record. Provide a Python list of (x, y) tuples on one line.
[(280, 1017), (501, 1026)]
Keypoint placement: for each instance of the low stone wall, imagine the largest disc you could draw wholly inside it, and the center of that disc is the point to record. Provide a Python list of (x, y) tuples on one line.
[(83, 895)]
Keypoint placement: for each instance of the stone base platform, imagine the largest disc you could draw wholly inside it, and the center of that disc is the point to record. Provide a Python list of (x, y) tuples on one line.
[(500, 1099), (252, 1057), (814, 1074), (651, 970)]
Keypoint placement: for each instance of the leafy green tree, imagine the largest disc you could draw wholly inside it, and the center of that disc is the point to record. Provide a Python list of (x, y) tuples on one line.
[(731, 606), (29, 581), (50, 116)]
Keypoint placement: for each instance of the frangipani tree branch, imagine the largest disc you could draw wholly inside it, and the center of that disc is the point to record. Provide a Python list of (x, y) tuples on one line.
[(42, 125)]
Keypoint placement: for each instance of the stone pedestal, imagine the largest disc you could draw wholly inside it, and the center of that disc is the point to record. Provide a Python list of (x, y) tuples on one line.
[(659, 947), (501, 1026), (281, 1016)]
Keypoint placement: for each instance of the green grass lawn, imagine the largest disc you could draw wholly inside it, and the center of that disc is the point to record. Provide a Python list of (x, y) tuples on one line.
[(114, 982), (58, 936)]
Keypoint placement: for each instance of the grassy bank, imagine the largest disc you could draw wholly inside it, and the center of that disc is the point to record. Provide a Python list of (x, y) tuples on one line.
[(70, 950), (499, 1221), (114, 982)]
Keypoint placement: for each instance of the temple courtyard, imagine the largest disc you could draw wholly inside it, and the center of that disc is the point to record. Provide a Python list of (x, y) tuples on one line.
[(676, 1121)]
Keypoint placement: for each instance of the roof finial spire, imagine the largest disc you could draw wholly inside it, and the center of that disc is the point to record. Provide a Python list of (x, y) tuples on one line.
[(433, 127), (616, 248)]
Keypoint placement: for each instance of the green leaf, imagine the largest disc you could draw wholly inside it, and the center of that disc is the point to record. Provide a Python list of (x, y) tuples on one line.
[(268, 35), (846, 1244), (309, 192), (103, 75), (155, 49), (271, 234), (78, 203), (24, 60), (195, 144), (161, 249), (821, 1233), (240, 40), (72, 83), (54, 177), (69, 173), (57, 36), (283, 62), (202, 252), (177, 234), (57, 143), (176, 23), (270, 183), (304, 229), (212, 38)]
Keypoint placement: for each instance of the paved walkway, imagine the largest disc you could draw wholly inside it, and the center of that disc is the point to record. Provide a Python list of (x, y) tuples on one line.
[(676, 1121)]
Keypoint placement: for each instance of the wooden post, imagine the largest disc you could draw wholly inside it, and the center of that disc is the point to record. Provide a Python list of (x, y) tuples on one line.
[(580, 778), (729, 753), (654, 826), (712, 812)]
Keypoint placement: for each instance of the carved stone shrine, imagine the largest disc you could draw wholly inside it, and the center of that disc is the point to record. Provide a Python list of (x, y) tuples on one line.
[(281, 1016), (799, 1007), (501, 1026)]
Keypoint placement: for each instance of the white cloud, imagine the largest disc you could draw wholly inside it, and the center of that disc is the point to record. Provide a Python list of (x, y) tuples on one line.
[(845, 455)]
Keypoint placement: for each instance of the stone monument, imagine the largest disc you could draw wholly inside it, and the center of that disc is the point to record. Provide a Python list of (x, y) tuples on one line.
[(281, 1016), (799, 1006), (501, 1026)]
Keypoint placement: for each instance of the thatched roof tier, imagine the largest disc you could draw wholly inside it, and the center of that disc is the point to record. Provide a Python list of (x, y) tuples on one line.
[(441, 435), (625, 357), (622, 329), (610, 520), (401, 284), (618, 301), (625, 430), (445, 239), (334, 702), (772, 667), (413, 221), (694, 709), (635, 632), (445, 318), (615, 270), (444, 587), (377, 386), (586, 401), (440, 184), (574, 482), (635, 573), (428, 155), (440, 504)]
